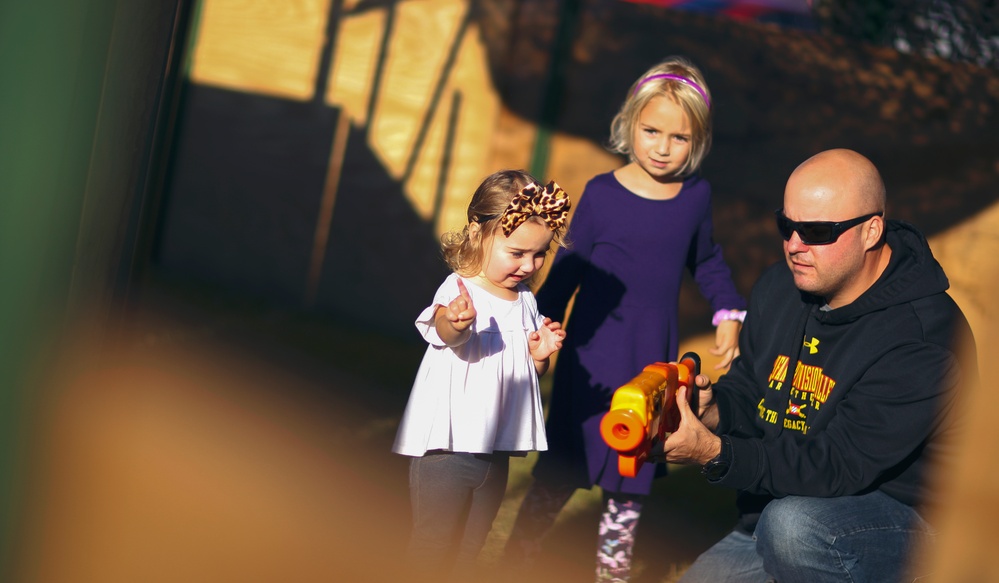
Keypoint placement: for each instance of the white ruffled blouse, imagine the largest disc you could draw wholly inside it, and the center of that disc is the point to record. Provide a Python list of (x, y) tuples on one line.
[(483, 395)]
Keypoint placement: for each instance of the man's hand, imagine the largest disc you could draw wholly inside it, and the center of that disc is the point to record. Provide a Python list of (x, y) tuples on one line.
[(708, 410), (692, 442)]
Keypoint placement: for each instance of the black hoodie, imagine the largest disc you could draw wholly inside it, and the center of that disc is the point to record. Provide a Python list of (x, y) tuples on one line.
[(874, 387)]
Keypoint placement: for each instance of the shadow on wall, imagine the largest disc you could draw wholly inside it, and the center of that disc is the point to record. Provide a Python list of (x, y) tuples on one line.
[(243, 206)]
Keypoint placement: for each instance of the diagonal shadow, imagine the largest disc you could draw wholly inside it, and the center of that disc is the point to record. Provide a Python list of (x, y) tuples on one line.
[(242, 204)]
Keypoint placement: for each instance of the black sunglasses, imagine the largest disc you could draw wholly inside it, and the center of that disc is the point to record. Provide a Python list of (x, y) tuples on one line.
[(817, 232)]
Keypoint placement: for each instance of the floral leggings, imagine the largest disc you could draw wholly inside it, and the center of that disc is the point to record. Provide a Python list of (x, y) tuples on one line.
[(615, 535)]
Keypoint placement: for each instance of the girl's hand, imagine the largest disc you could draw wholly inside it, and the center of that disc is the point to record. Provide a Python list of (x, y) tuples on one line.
[(453, 320), (461, 312), (726, 343), (546, 340)]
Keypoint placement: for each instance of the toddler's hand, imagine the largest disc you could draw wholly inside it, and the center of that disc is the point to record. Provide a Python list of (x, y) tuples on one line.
[(546, 340), (461, 312)]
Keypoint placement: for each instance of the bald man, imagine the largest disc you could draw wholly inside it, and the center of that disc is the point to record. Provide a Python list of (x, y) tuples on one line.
[(842, 396)]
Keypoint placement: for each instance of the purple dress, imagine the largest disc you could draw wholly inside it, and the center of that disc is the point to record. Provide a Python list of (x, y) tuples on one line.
[(626, 258)]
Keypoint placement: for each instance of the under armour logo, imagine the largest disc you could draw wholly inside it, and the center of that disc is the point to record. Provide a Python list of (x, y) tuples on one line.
[(813, 346)]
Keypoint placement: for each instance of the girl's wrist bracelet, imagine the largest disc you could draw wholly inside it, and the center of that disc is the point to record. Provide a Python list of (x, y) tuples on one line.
[(722, 315)]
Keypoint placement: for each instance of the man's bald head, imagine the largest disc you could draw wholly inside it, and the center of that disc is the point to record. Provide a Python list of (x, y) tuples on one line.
[(841, 179)]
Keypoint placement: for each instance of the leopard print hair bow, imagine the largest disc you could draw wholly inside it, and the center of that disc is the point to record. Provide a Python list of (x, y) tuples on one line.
[(551, 203)]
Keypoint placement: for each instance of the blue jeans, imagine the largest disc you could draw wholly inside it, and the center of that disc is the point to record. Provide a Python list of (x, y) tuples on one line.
[(455, 497), (818, 540)]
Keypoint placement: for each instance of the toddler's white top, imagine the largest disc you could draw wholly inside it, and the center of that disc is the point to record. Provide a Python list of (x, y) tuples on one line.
[(482, 396)]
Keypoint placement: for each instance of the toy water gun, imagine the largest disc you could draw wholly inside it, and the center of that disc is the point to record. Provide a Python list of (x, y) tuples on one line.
[(643, 411)]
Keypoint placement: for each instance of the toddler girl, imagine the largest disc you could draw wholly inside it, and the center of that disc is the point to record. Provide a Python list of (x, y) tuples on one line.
[(476, 399)]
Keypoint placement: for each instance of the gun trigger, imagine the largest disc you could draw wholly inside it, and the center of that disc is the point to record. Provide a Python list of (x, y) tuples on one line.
[(657, 452)]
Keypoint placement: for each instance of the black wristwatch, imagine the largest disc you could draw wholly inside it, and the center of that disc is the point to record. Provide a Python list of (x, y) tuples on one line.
[(718, 466)]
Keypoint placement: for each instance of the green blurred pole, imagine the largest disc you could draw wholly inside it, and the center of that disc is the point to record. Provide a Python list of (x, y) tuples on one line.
[(554, 87), (52, 54), (84, 95)]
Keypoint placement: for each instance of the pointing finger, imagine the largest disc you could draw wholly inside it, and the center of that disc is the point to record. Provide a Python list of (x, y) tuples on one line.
[(464, 291)]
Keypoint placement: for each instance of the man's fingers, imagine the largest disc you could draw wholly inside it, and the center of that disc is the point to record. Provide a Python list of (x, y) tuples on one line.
[(683, 403)]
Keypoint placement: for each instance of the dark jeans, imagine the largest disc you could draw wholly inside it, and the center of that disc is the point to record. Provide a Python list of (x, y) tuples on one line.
[(455, 497), (818, 540)]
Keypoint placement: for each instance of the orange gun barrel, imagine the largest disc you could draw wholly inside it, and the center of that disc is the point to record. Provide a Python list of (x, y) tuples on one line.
[(643, 411), (623, 429)]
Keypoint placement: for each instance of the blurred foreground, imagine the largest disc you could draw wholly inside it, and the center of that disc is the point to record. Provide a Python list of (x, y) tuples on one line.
[(187, 454), (213, 444), (223, 443)]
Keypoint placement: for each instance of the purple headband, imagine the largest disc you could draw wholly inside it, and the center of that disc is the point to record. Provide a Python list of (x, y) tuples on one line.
[(679, 78)]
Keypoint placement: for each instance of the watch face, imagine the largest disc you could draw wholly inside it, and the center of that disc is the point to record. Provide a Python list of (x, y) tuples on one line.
[(715, 469)]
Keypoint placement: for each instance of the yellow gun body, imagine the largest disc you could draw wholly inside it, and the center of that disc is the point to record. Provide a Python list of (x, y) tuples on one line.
[(643, 411)]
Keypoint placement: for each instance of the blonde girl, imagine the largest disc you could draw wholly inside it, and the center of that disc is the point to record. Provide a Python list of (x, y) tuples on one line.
[(635, 232)]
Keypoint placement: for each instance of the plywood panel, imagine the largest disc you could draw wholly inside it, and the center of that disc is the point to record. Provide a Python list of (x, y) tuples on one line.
[(265, 47), (354, 62), (402, 99)]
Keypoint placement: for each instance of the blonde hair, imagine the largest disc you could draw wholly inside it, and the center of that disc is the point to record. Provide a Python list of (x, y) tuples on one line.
[(462, 250), (693, 102)]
